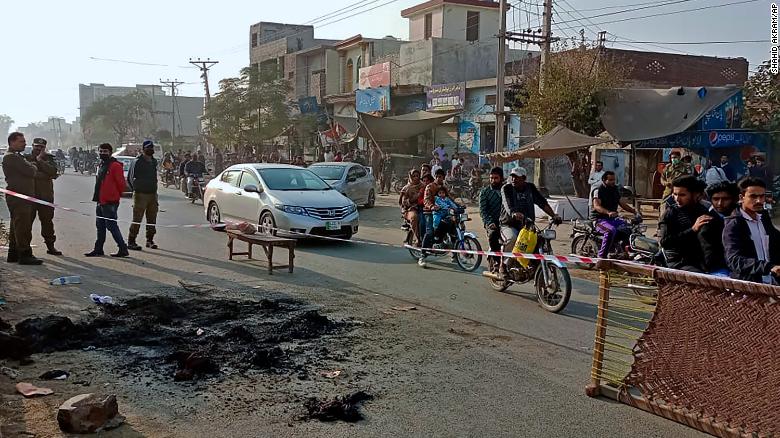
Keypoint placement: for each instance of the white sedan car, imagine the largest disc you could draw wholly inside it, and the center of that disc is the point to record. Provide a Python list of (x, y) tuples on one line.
[(126, 163), (351, 179), (279, 198)]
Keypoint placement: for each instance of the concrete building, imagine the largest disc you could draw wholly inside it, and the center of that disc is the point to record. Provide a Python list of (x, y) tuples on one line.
[(312, 72), (357, 52), (187, 110), (451, 41), (269, 43)]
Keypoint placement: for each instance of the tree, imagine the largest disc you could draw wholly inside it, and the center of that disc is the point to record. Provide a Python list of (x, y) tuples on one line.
[(5, 125), (125, 117), (762, 100), (248, 109), (573, 82)]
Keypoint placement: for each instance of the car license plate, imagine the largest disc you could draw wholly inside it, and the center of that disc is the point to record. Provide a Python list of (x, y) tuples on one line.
[(333, 225)]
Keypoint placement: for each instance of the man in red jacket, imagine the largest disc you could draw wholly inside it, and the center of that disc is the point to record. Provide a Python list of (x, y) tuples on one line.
[(108, 189)]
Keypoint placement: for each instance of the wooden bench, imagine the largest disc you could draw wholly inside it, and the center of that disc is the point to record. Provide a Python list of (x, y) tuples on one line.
[(267, 242)]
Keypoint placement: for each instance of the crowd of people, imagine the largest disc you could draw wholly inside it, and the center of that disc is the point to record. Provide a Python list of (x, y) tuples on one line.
[(709, 223)]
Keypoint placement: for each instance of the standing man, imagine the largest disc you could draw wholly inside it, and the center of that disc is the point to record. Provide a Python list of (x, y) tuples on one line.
[(142, 177), (728, 169), (490, 211), (20, 178), (595, 178), (675, 169), (752, 243), (446, 164), (679, 227), (761, 171), (44, 190), (715, 175), (439, 151), (219, 161), (388, 168), (109, 186)]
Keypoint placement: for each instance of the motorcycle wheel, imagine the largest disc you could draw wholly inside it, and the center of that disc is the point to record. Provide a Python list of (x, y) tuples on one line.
[(555, 297), (469, 262), (499, 285), (416, 254)]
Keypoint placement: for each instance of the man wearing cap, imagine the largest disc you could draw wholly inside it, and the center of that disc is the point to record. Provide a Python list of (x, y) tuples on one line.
[(142, 177), (518, 198), (20, 178), (44, 190)]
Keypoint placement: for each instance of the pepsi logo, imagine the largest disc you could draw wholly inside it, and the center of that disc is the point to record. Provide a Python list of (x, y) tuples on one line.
[(713, 138)]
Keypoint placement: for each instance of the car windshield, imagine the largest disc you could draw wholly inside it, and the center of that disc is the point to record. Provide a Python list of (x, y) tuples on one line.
[(328, 172), (292, 179)]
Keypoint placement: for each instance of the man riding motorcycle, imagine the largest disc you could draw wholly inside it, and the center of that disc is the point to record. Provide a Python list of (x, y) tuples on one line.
[(606, 200), (194, 170), (518, 198)]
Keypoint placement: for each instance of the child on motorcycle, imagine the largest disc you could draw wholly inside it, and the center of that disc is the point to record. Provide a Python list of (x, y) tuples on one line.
[(442, 220)]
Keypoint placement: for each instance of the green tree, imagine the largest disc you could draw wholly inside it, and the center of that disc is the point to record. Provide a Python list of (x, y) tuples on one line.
[(248, 109), (573, 83), (124, 117), (5, 125), (762, 101)]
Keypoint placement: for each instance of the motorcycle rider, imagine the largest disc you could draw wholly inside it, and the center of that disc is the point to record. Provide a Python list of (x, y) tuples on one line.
[(182, 173), (411, 205), (604, 212), (490, 211), (194, 170), (679, 226), (429, 206), (723, 196), (518, 198)]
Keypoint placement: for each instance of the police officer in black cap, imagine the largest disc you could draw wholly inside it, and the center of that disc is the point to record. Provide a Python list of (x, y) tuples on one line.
[(44, 190)]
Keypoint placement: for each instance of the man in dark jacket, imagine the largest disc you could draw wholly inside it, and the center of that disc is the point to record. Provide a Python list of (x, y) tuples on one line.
[(518, 198), (490, 211), (109, 185), (680, 224), (751, 242), (195, 168), (723, 196), (44, 190), (142, 177), (20, 178), (182, 173)]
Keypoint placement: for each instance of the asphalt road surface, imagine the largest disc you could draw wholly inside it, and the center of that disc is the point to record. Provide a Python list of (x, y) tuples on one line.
[(544, 400)]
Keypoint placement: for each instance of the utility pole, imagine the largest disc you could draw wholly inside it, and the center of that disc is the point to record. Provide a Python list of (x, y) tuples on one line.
[(173, 84), (204, 67), (500, 71)]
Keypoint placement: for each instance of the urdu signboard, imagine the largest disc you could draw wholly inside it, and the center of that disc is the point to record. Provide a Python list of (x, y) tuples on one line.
[(372, 100), (446, 97), (374, 76)]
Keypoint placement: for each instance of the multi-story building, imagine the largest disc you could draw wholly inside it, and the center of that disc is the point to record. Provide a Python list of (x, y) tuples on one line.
[(184, 111)]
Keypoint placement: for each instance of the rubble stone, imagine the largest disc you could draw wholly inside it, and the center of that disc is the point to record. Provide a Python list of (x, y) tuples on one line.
[(89, 413)]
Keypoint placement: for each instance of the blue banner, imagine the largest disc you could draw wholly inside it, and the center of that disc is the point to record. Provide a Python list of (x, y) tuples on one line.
[(308, 105), (706, 140), (372, 100), (726, 116)]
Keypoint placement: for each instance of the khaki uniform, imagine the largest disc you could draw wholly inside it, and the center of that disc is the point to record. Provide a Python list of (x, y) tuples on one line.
[(20, 178), (44, 190), (671, 172)]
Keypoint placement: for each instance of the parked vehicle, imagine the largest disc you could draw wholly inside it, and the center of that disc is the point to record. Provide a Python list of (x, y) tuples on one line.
[(280, 198), (126, 163), (551, 278), (353, 180), (460, 239)]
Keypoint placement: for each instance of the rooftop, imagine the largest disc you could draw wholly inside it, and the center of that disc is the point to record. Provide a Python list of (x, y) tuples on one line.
[(434, 3)]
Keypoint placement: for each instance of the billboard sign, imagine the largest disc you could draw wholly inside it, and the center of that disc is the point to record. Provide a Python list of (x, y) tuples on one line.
[(446, 97), (374, 76), (308, 105), (372, 100), (727, 115)]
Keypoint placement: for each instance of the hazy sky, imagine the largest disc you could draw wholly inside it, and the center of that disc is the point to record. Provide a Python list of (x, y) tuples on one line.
[(48, 44)]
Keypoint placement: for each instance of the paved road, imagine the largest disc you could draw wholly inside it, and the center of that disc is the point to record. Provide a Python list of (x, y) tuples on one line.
[(199, 255)]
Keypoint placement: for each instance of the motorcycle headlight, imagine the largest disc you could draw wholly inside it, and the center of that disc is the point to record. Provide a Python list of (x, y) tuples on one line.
[(292, 209)]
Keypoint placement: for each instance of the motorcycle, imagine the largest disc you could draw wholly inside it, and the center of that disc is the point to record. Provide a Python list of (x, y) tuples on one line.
[(463, 190), (198, 187), (551, 278), (458, 239), (61, 164), (397, 184), (167, 178), (630, 242)]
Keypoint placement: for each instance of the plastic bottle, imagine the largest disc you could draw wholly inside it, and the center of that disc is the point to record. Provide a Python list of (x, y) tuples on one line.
[(70, 279), (101, 299)]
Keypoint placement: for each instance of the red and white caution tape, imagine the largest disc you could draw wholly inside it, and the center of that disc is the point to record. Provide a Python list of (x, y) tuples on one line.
[(530, 256)]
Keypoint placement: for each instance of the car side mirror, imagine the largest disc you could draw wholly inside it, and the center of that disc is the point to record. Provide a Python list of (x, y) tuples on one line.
[(251, 188), (351, 178)]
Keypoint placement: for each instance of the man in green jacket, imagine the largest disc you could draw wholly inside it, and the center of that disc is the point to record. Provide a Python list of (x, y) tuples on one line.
[(44, 190), (20, 178)]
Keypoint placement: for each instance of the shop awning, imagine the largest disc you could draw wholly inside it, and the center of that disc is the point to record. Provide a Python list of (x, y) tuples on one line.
[(558, 141), (641, 114), (401, 127)]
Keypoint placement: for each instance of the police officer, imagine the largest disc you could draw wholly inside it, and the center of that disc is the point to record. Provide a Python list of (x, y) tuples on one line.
[(44, 190), (20, 178)]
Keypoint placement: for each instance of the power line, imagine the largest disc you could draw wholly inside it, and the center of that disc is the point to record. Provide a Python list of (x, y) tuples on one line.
[(683, 43), (603, 8), (94, 58), (338, 11), (674, 12), (672, 2)]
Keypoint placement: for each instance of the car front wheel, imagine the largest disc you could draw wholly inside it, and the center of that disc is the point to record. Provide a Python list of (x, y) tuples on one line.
[(267, 224), (214, 217)]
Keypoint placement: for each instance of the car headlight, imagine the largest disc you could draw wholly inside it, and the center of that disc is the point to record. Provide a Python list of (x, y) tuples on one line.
[(292, 209), (352, 208)]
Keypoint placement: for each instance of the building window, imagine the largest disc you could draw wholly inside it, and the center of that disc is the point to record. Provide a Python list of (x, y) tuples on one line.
[(490, 99), (428, 26), (358, 66), (254, 39), (350, 75), (472, 26)]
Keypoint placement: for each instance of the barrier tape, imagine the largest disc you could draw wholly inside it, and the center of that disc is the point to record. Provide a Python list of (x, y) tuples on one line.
[(530, 256)]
